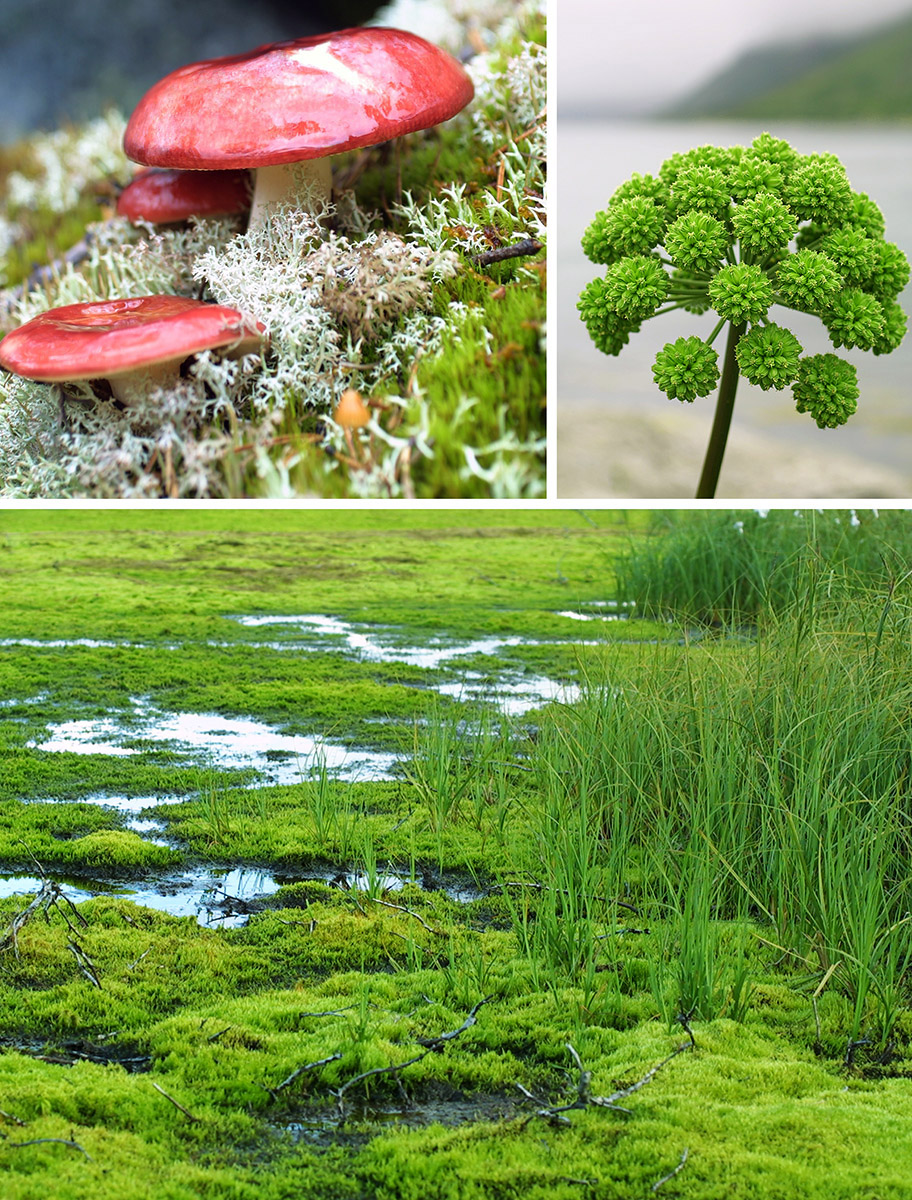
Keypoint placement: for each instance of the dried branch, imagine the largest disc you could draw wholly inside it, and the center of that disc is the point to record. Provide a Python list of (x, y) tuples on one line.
[(44, 1141), (437, 1042), (137, 961), (671, 1174), (501, 253), (189, 1115), (408, 911), (45, 896), (390, 1070), (311, 1066), (430, 1045), (584, 1097), (85, 964)]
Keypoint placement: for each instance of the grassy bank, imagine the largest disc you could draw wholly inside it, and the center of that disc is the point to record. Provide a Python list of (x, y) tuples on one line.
[(654, 939)]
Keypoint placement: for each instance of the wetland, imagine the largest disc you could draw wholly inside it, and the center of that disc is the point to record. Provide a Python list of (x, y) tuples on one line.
[(454, 854)]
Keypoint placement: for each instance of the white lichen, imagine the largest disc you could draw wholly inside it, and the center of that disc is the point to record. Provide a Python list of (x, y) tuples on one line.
[(68, 161)]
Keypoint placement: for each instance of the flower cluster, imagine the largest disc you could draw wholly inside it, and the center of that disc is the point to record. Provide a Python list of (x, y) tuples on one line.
[(741, 293), (768, 356), (737, 230), (808, 281), (827, 388), (762, 224), (697, 242), (686, 369)]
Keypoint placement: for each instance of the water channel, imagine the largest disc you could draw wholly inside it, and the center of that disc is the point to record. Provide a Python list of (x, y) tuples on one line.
[(226, 895)]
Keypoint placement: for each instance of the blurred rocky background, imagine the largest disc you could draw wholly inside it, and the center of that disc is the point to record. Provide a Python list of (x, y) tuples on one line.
[(63, 61), (865, 75)]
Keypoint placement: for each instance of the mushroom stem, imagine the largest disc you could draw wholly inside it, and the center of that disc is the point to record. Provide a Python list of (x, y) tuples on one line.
[(131, 387), (307, 185)]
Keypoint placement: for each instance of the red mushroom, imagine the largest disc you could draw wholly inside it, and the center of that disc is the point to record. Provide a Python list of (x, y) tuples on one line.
[(296, 102), (136, 345), (165, 196)]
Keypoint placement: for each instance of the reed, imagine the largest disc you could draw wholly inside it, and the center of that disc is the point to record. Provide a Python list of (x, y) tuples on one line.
[(724, 779), (729, 568)]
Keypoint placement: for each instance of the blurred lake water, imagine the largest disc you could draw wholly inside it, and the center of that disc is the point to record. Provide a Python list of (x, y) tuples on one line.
[(594, 157)]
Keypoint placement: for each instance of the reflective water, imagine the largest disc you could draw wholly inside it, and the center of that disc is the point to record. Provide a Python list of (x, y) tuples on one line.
[(226, 896), (209, 738)]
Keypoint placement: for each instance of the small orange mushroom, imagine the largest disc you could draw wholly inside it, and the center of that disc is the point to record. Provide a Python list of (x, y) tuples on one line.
[(351, 412)]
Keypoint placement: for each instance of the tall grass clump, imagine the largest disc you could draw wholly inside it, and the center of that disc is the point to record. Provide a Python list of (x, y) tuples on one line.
[(729, 568), (723, 780)]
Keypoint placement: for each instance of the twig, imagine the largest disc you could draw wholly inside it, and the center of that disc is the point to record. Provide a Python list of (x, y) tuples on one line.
[(80, 919), (86, 966), (430, 1046), (437, 1042), (189, 1115), (584, 1096), (402, 908), (45, 896), (500, 253), (311, 1066), (392, 1069), (42, 275), (137, 961), (55, 1141), (9, 1117), (671, 1174)]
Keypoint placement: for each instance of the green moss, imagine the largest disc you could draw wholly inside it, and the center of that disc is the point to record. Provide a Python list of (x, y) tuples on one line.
[(324, 983)]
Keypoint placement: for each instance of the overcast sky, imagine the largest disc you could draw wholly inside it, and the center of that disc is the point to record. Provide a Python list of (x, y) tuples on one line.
[(632, 53)]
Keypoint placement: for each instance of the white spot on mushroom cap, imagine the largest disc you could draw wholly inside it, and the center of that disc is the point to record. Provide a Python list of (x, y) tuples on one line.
[(321, 58)]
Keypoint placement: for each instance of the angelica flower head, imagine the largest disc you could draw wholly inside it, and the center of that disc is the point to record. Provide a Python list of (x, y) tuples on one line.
[(626, 226), (739, 229), (768, 356), (686, 369), (636, 286), (741, 293), (827, 388)]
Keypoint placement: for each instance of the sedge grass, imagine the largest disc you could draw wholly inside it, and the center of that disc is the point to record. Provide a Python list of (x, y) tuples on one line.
[(728, 568), (724, 780)]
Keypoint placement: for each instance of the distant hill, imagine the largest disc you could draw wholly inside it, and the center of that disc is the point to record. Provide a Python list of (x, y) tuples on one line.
[(866, 76)]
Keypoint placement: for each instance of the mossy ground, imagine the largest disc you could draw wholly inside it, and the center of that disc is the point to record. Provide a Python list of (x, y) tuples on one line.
[(452, 370), (170, 1077)]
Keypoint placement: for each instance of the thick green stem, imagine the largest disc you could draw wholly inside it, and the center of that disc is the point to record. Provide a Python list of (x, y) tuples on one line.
[(725, 404)]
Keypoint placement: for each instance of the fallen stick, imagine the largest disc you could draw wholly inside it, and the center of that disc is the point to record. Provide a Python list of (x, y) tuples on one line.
[(311, 1066), (45, 896), (584, 1097), (501, 253), (177, 1104), (671, 1174), (44, 1141)]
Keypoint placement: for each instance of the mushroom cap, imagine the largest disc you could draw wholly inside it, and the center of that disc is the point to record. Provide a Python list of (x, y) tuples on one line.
[(162, 195), (105, 339), (351, 412), (296, 100)]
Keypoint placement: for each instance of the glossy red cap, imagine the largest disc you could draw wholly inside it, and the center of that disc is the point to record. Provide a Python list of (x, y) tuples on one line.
[(112, 337), (296, 100), (162, 195)]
